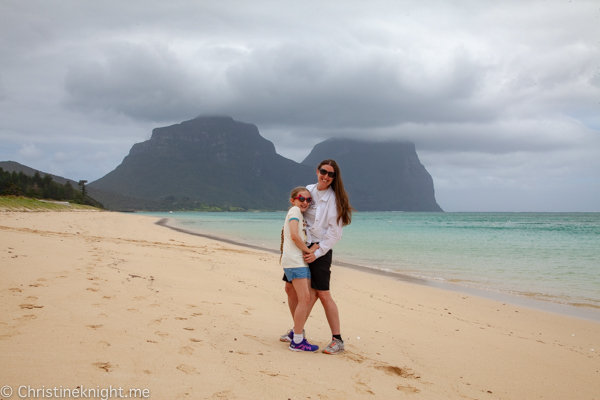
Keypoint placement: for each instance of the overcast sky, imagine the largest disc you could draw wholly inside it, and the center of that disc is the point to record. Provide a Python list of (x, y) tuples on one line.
[(501, 98)]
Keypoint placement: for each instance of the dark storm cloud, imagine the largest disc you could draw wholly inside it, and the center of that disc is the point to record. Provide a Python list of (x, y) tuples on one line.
[(142, 82), (341, 88), (291, 84)]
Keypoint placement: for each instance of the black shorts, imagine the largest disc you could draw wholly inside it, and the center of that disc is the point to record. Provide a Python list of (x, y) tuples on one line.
[(320, 271)]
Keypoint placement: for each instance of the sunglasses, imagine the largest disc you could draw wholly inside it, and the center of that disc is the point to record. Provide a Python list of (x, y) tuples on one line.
[(303, 199), (323, 171)]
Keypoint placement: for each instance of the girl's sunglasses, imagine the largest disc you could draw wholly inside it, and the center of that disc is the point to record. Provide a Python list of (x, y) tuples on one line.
[(323, 171), (303, 199)]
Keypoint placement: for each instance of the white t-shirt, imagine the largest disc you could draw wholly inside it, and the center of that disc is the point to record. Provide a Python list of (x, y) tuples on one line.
[(292, 255)]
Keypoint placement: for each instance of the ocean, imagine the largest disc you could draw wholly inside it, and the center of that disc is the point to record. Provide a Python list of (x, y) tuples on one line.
[(549, 260)]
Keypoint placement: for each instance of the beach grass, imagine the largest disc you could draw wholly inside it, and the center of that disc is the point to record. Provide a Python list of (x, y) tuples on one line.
[(19, 203)]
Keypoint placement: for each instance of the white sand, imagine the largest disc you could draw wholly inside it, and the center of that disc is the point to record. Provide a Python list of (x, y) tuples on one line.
[(107, 299)]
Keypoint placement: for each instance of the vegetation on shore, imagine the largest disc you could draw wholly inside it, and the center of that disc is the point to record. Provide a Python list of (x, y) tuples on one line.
[(19, 203), (36, 187)]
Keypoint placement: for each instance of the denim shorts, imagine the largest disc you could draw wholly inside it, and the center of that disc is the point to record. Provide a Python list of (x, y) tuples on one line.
[(296, 273)]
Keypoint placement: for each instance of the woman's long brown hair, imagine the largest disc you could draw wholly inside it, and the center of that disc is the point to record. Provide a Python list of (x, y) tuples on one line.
[(344, 209)]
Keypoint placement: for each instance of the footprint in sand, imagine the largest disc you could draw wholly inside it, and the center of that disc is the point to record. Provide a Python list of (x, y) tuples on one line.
[(30, 306), (186, 350), (361, 386), (93, 289), (355, 357), (180, 318), (106, 366), (188, 369), (94, 326), (195, 340), (161, 334), (226, 394), (273, 374), (14, 289), (397, 371), (257, 339), (407, 389), (27, 317)]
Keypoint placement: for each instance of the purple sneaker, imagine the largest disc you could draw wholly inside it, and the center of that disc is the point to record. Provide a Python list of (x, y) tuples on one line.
[(303, 346)]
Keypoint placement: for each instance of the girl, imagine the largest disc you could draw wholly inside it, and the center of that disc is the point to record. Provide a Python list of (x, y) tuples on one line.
[(296, 270)]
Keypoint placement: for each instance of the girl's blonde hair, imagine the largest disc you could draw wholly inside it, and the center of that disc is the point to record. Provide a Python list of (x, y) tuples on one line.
[(293, 194), (297, 190)]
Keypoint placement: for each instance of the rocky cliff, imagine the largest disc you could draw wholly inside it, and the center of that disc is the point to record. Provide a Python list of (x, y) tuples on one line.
[(379, 176), (206, 161), (219, 162)]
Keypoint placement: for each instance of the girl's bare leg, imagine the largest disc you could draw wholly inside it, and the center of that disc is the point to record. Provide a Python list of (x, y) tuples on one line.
[(302, 308)]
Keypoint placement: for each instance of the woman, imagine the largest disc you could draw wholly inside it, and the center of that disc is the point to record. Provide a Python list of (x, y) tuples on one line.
[(328, 213)]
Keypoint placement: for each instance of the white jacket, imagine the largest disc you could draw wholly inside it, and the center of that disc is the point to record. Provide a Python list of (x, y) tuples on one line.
[(324, 226)]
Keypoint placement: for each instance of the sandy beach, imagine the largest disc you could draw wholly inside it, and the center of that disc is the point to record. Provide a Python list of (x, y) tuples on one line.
[(108, 300)]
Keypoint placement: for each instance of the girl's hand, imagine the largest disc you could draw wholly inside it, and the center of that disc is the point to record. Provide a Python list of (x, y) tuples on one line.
[(313, 248)]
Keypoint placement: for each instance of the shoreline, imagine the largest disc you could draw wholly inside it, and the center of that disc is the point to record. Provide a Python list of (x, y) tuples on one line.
[(93, 299), (585, 312)]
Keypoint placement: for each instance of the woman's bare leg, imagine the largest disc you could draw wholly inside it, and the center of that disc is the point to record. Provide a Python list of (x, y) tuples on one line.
[(331, 311), (292, 297)]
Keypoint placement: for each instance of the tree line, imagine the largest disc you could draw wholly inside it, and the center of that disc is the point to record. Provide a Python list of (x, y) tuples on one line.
[(20, 184)]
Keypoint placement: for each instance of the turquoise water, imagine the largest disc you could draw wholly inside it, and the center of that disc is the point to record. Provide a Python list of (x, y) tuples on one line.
[(547, 256)]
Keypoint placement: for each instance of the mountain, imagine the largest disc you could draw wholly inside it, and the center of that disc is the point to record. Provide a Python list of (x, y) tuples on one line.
[(11, 166), (202, 162), (216, 163), (379, 176), (55, 189)]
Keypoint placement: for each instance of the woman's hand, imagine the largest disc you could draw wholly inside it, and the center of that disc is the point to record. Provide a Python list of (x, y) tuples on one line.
[(309, 257)]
